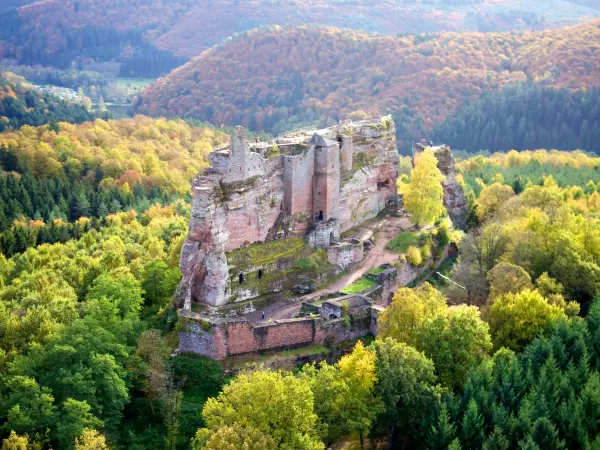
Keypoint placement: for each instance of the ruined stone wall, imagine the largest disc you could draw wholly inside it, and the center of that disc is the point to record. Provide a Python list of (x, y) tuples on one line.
[(243, 163), (220, 340), (329, 332), (212, 343), (365, 188), (323, 233), (347, 151), (388, 280), (245, 338), (345, 254), (298, 176), (252, 206)]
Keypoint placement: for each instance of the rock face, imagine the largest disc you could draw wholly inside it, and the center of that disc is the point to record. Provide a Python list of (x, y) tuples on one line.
[(307, 184), (455, 201)]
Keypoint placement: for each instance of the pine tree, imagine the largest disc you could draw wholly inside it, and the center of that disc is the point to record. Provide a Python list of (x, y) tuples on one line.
[(473, 432), (496, 441), (102, 210), (115, 206), (444, 432), (528, 444), (83, 206), (545, 435), (455, 445), (517, 185)]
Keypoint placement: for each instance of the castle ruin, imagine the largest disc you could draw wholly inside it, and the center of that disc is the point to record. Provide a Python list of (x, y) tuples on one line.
[(260, 207)]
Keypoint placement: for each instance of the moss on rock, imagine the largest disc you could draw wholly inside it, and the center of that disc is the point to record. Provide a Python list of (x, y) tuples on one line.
[(266, 253)]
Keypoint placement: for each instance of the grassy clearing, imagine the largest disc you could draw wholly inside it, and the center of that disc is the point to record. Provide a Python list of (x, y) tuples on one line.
[(134, 83), (359, 286), (275, 358), (401, 242), (376, 271), (306, 351)]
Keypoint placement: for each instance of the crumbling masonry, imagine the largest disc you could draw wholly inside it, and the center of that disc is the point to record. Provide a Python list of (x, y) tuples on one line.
[(308, 187)]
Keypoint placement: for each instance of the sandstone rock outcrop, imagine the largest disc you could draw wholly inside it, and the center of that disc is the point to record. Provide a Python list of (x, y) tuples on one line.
[(312, 184), (455, 201)]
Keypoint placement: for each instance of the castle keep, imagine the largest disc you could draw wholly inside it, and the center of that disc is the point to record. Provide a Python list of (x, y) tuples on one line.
[(262, 206)]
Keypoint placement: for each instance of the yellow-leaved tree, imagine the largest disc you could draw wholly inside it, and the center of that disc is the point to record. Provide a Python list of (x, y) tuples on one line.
[(90, 440), (275, 407), (424, 195), (517, 319), (408, 310)]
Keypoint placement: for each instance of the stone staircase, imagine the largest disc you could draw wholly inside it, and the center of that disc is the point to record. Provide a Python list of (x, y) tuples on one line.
[(283, 219)]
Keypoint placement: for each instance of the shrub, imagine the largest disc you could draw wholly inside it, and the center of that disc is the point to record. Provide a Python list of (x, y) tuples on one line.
[(443, 235), (425, 252), (413, 256)]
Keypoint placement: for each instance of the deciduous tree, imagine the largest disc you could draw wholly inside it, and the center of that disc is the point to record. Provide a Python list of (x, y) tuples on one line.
[(516, 319), (276, 404), (424, 195), (408, 310)]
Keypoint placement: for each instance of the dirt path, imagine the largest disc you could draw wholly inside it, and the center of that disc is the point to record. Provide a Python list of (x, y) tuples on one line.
[(378, 255)]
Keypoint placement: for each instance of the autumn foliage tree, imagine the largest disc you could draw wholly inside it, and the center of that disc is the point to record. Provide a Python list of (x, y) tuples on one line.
[(275, 404), (424, 195)]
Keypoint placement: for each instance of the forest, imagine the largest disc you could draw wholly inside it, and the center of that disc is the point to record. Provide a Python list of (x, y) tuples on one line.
[(148, 38), (21, 104), (525, 117), (323, 75), (65, 179), (87, 323)]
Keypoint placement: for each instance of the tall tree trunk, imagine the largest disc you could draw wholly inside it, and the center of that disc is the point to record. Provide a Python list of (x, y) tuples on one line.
[(392, 437)]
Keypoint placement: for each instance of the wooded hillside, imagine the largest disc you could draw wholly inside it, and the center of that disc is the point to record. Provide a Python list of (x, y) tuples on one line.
[(150, 37), (274, 79), (523, 117), (89, 171)]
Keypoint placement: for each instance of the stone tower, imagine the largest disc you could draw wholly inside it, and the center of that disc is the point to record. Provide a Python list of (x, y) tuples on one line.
[(326, 184), (243, 163)]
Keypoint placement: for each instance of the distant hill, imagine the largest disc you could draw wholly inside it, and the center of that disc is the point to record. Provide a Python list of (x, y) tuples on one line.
[(150, 37), (277, 78), (22, 104), (7, 5)]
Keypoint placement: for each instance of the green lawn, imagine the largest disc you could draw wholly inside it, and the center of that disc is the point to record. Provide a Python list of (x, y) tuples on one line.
[(376, 271), (401, 242), (359, 286)]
